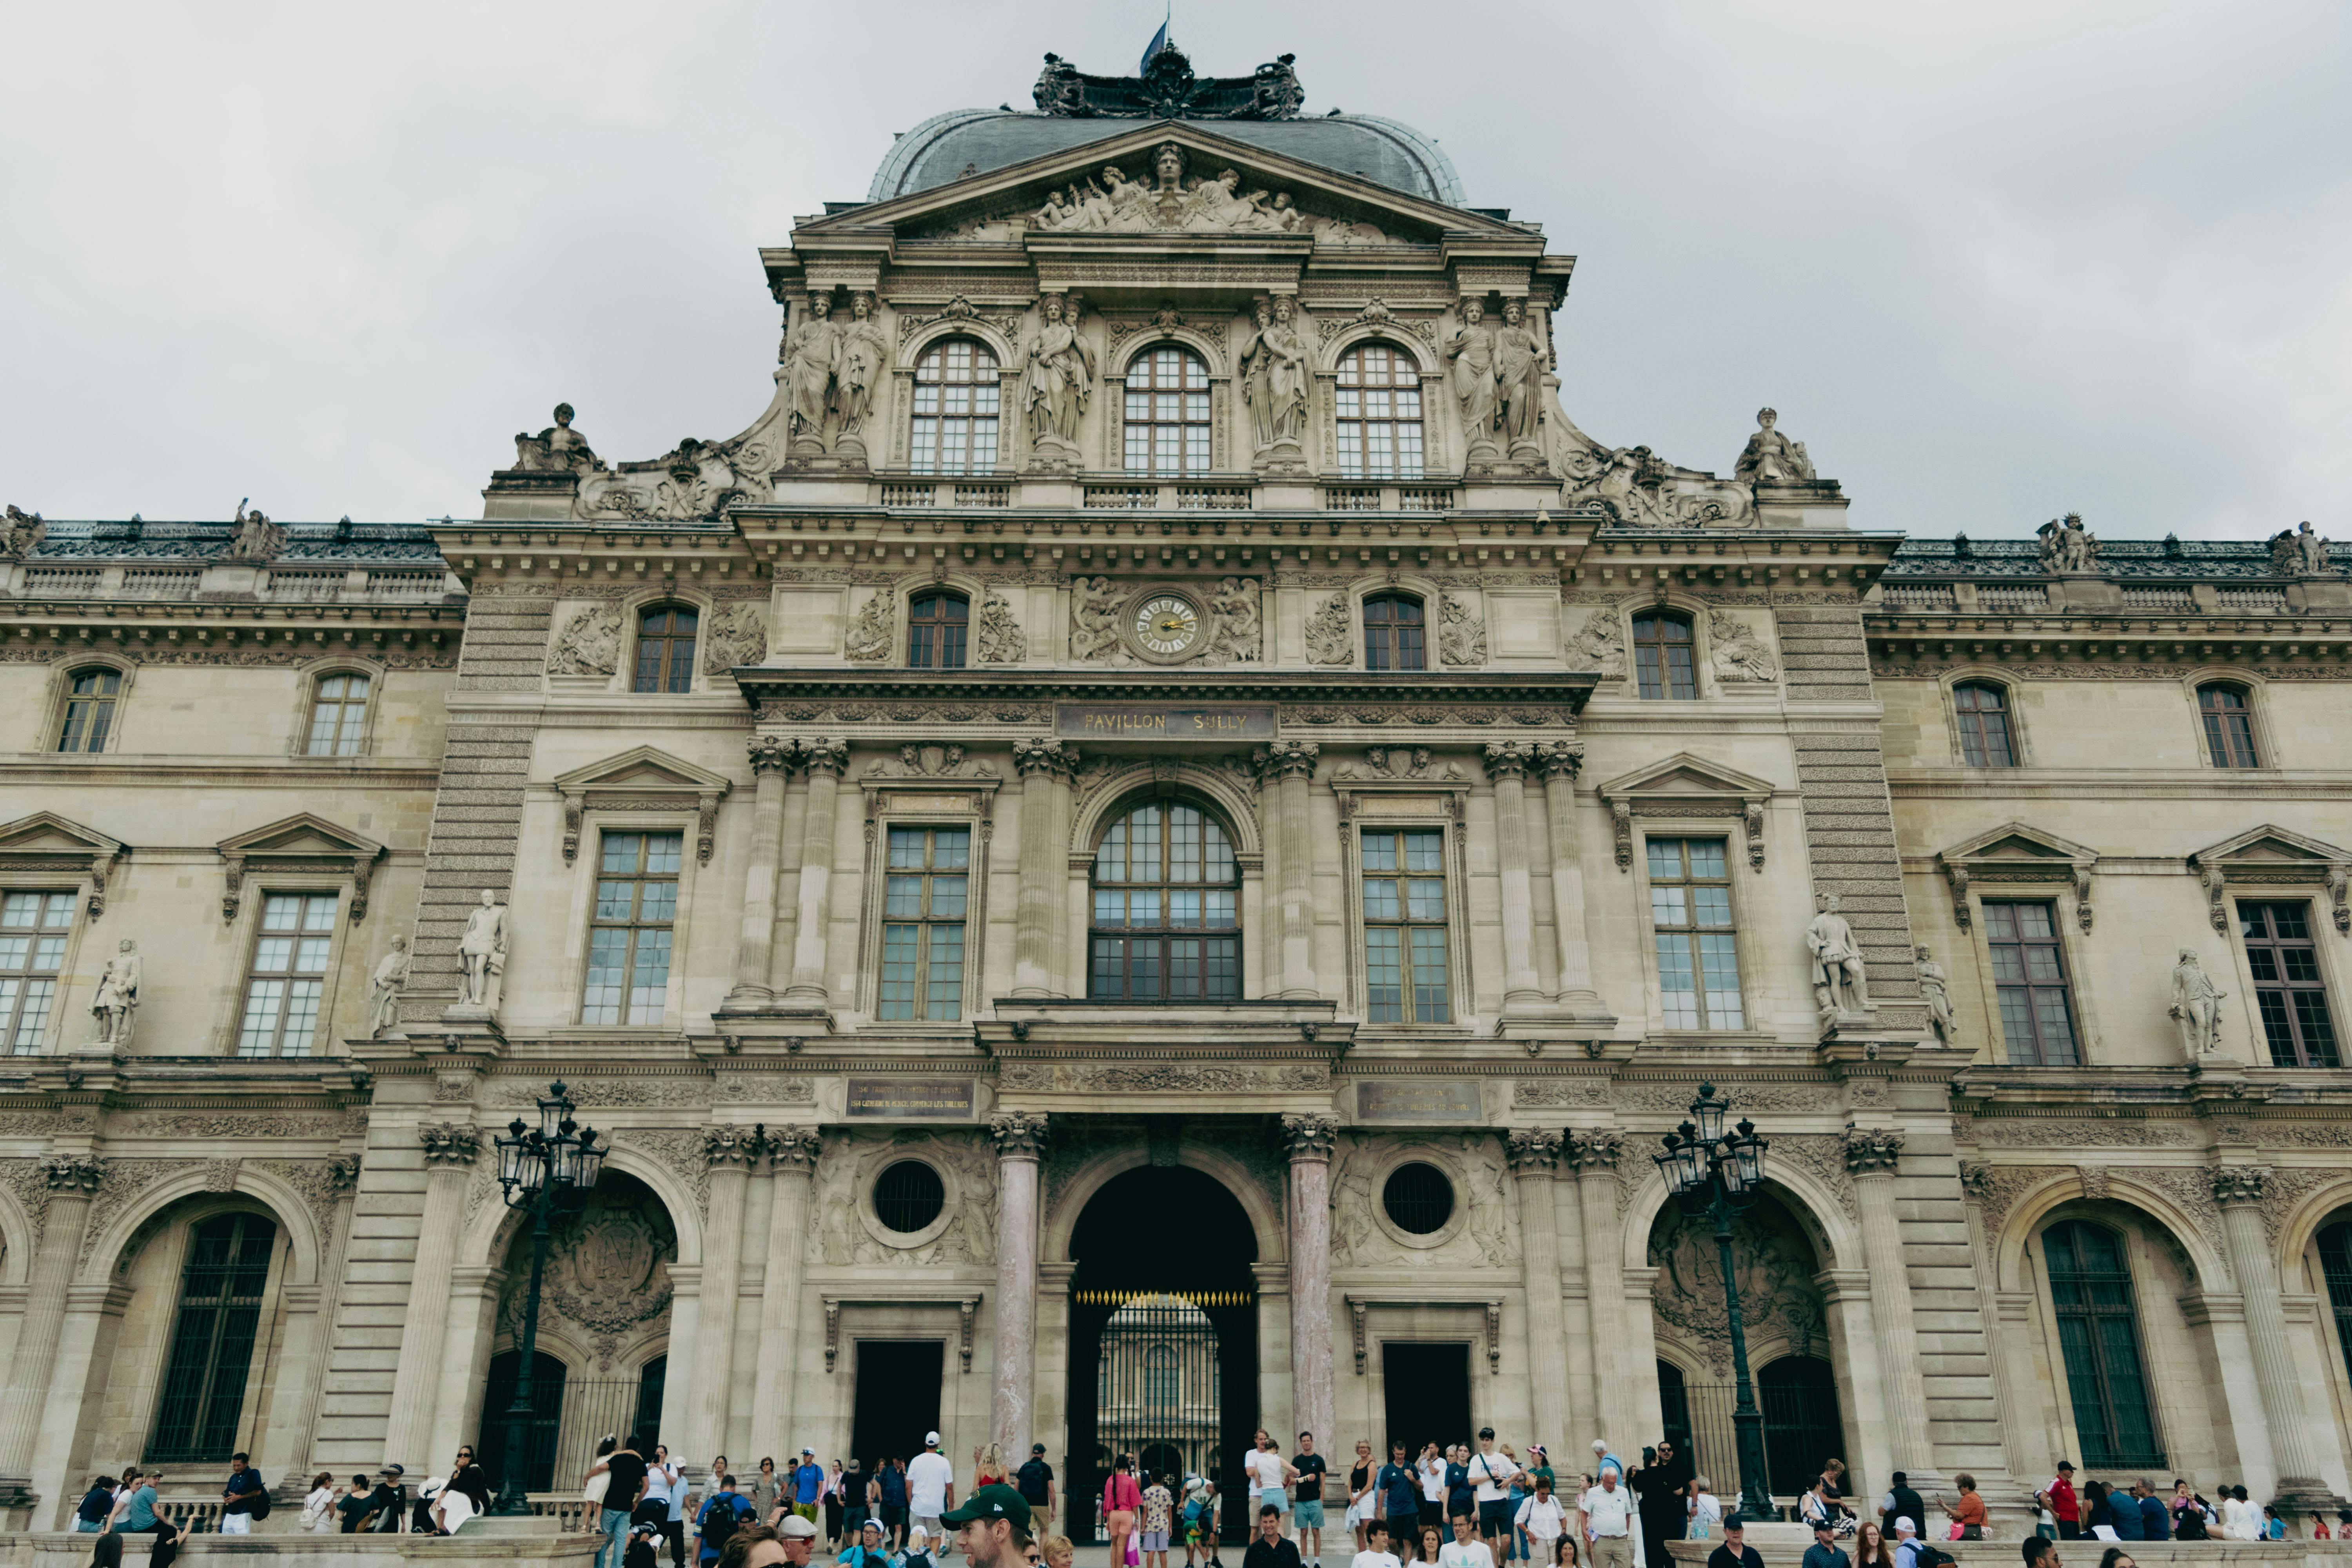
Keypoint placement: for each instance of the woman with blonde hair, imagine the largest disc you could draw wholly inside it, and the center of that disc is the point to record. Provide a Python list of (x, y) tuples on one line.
[(1058, 1551), (988, 1468)]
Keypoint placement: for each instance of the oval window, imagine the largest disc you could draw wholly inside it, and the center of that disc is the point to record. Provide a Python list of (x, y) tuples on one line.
[(1419, 1199), (908, 1196)]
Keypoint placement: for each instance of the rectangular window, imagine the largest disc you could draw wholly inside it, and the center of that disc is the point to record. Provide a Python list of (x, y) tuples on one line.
[(629, 939), (1404, 925), (2028, 971), (2288, 990), (923, 901), (296, 932), (33, 930), (1690, 922)]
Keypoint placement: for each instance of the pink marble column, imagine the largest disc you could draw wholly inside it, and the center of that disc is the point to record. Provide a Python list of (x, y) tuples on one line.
[(1314, 1395), (74, 1181), (1020, 1142)]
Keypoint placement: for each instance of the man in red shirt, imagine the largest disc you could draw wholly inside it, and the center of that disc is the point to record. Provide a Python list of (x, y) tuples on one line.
[(2059, 1498)]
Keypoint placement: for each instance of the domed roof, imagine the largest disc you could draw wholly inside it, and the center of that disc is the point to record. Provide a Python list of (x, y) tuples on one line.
[(1074, 110)]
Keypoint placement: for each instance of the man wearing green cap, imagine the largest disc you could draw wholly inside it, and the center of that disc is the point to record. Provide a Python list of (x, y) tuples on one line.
[(992, 1528)]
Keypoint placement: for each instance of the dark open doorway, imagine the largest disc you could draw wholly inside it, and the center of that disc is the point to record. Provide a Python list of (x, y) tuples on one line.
[(897, 1397), (1428, 1393), (1163, 1339)]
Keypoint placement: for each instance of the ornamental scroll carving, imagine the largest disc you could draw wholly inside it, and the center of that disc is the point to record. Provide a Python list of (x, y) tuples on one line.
[(1332, 632), (1149, 1078), (738, 634), (998, 638), (123, 1181), (1461, 636), (1823, 1157), (873, 633), (967, 1235), (607, 1270)]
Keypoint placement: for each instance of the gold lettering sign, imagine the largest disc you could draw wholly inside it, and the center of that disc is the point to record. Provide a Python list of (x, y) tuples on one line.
[(1224, 724), (910, 1097)]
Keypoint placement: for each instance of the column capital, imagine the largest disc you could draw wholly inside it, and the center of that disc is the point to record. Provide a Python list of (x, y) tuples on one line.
[(1534, 1151), (1596, 1149), (1286, 758), (768, 754), (1019, 1135), (75, 1173), (1308, 1137), (1559, 759), (792, 1150), (1033, 754), (448, 1144), (1871, 1151), (733, 1148), (2239, 1183), (814, 757), (1509, 759)]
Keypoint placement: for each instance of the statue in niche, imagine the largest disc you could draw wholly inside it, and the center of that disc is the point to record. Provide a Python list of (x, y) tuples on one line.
[(1841, 985), (861, 359), (1518, 380), (384, 987), (1276, 372), (482, 951), (558, 447), (1058, 377), (1472, 353), (116, 1003), (1771, 458), (2196, 1008), (1936, 986), (811, 353), (1253, 366)]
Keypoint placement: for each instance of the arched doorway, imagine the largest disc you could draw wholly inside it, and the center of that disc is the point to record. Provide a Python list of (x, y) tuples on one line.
[(1163, 1338)]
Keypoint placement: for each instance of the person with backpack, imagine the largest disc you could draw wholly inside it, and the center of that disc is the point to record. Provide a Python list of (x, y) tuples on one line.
[(244, 1500), (726, 1511), (1034, 1482)]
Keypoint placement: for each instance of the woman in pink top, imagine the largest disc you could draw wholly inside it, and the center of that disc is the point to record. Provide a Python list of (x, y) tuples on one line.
[(1121, 1497)]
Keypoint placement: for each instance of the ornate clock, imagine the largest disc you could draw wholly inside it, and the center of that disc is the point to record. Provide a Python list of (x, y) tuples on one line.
[(1166, 627)]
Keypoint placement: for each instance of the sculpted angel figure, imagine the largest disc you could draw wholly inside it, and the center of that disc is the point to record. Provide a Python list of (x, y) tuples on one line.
[(1771, 458), (1472, 352), (861, 357), (812, 351), (2196, 1008), (116, 1003), (1276, 371), (1518, 376), (1057, 376)]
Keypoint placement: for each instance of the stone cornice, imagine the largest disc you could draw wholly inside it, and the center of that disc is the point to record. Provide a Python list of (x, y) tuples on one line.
[(771, 689)]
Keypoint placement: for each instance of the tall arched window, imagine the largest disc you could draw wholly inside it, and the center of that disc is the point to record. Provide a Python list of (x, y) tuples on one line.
[(1164, 928), (936, 623), (338, 716), (955, 409), (1379, 414), (1663, 662), (2229, 725), (212, 1343), (546, 1418), (1160, 1381), (1799, 1393), (1985, 739), (1394, 635), (90, 709), (2336, 1269), (2099, 1332), (665, 649), (1167, 414)]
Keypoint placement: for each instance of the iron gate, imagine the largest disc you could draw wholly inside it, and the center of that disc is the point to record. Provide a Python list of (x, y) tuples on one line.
[(1158, 1383)]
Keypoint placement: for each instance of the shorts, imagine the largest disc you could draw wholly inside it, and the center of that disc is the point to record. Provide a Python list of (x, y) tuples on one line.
[(236, 1524), (807, 1510), (1495, 1518), (1195, 1532), (1309, 1513), (930, 1523), (1280, 1500), (894, 1514), (1432, 1517), (1153, 1541)]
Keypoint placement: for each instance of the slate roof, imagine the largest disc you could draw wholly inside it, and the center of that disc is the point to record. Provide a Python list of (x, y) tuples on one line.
[(396, 543), (2146, 558)]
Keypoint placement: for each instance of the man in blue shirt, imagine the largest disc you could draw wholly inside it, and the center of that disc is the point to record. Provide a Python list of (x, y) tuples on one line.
[(893, 1502), (1398, 1488), (727, 1511), (808, 1482), (238, 1498), (1823, 1552), (2122, 1513), (2155, 1519)]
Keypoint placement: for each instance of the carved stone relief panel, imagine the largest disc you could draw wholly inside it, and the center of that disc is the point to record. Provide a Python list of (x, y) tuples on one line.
[(1485, 1235), (966, 1231), (607, 1270), (1776, 1266)]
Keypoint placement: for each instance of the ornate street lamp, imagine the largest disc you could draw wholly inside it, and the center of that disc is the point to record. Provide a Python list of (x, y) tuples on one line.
[(540, 1169), (1716, 1174)]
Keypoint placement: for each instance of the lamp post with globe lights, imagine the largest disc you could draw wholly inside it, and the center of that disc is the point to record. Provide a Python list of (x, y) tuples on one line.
[(542, 1169), (1715, 1174)]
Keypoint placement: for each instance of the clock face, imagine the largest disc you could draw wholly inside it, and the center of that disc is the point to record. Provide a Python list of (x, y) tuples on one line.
[(1167, 625)]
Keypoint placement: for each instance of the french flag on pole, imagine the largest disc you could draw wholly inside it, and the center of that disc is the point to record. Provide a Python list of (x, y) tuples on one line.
[(1158, 42)]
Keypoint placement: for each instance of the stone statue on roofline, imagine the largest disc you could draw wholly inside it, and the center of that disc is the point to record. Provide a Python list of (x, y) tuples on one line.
[(2067, 545), (1770, 458), (558, 447)]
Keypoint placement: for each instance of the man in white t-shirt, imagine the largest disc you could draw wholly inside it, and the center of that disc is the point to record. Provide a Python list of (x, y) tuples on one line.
[(1491, 1472), (1432, 1489), (1466, 1549), (1606, 1520), (930, 1487), (1376, 1553)]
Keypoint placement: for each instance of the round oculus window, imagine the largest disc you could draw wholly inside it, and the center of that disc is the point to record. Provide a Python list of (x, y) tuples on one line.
[(908, 1196), (1418, 1198)]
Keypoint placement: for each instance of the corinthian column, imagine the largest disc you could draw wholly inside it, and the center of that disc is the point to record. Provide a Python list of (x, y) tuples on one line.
[(1535, 1155), (1594, 1155), (1560, 760), (1506, 764), (73, 1179), (1872, 1157), (755, 946), (2239, 1190), (825, 761), (792, 1164), (1291, 764), (730, 1152), (1020, 1140), (1308, 1140), (1044, 767), (449, 1152)]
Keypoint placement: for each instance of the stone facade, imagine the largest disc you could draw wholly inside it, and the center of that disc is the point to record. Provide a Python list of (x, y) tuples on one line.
[(835, 1128)]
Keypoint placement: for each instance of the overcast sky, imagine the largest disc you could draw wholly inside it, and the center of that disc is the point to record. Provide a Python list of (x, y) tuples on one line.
[(1991, 262)]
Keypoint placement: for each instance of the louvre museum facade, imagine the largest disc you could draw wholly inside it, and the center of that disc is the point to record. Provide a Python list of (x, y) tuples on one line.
[(1151, 849)]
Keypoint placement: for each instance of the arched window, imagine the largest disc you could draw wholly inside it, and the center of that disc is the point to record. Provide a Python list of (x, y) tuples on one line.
[(1985, 740), (2229, 725), (1379, 414), (665, 649), (653, 1382), (1167, 414), (546, 1419), (2336, 1269), (1663, 662), (1165, 887), (1394, 635), (90, 709), (338, 716), (2099, 1332), (955, 409), (1160, 1380), (936, 623), (221, 1288)]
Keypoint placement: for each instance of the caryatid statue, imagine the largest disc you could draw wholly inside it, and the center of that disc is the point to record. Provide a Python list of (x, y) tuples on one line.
[(482, 949), (1518, 380), (811, 353), (2196, 1008), (1058, 377), (1472, 352), (116, 1003), (1274, 376), (1840, 983), (861, 359)]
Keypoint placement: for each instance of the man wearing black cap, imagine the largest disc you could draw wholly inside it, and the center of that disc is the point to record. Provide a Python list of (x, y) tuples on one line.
[(992, 1528), (1735, 1551), (1034, 1482), (1824, 1552)]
